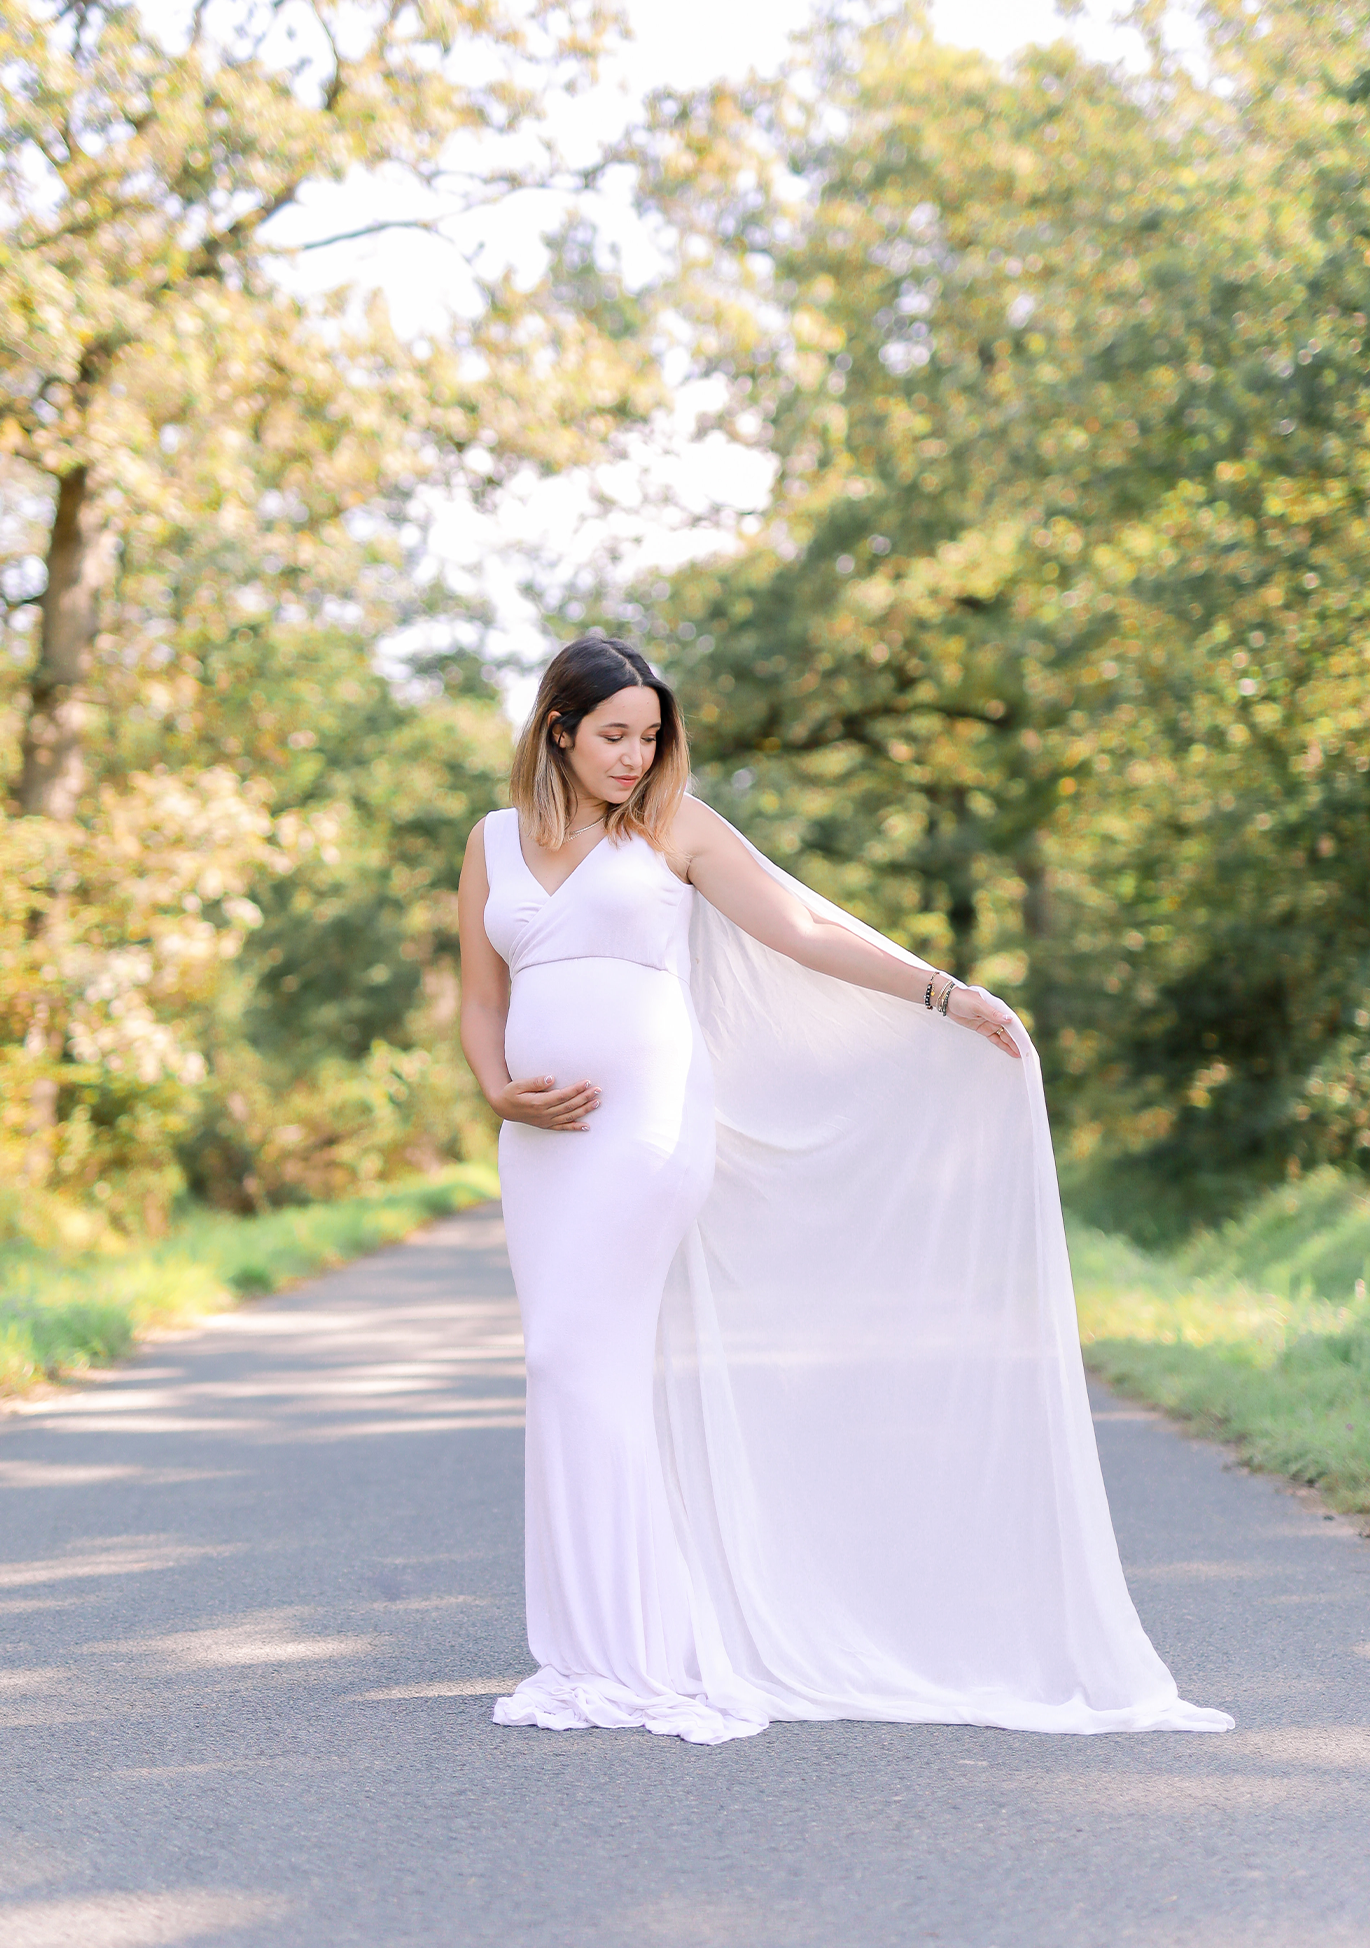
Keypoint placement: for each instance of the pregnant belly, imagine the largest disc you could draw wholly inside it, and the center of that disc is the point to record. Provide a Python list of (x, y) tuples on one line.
[(631, 1030)]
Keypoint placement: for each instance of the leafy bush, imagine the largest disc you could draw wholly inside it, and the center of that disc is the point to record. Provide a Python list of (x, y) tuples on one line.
[(1256, 1330), (263, 1139), (64, 1310)]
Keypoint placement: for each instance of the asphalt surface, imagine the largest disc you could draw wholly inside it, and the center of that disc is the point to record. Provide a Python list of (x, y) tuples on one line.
[(259, 1587)]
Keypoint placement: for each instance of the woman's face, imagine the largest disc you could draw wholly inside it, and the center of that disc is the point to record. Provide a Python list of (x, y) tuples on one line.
[(614, 744)]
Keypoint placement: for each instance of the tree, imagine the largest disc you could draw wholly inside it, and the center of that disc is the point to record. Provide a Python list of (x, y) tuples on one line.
[(213, 498), (1056, 617), (139, 309)]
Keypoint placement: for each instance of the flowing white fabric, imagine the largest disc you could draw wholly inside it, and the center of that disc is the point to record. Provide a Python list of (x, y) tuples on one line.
[(808, 1434)]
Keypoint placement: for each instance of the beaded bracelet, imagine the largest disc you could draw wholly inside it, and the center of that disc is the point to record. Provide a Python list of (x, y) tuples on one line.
[(946, 997)]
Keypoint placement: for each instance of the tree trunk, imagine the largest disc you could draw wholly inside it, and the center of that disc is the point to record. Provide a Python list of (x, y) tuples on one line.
[(1036, 914), (442, 991), (41, 1119), (54, 772), (1036, 895), (959, 879), (961, 918)]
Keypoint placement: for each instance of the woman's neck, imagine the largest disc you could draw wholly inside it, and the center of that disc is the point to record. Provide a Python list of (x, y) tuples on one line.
[(585, 812)]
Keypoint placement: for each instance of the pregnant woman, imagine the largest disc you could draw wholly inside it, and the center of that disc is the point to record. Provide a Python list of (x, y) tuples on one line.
[(808, 1434)]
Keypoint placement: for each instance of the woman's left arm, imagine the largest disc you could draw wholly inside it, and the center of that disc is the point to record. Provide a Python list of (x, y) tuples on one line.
[(723, 870)]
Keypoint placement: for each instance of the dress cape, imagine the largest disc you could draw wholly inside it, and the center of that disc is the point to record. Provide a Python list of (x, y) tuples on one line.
[(870, 1394)]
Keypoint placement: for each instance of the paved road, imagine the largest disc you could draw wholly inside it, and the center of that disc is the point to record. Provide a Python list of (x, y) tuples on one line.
[(258, 1588)]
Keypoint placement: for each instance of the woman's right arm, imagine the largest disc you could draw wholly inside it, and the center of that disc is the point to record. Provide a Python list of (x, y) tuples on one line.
[(485, 1009)]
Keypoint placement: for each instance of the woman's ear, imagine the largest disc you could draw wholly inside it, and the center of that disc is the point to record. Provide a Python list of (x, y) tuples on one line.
[(555, 732)]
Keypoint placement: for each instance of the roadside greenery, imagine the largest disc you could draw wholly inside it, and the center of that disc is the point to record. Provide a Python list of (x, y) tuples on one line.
[(62, 1312), (1257, 1332), (1050, 654), (1052, 650), (229, 857)]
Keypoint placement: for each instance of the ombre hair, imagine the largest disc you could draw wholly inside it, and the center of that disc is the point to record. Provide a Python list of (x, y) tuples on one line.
[(579, 678)]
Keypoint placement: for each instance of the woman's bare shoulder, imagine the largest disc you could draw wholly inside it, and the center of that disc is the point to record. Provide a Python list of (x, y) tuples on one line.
[(696, 824), (473, 858), (700, 839)]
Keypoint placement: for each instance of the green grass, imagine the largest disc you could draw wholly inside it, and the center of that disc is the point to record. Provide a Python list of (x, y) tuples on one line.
[(1257, 1330), (62, 1313)]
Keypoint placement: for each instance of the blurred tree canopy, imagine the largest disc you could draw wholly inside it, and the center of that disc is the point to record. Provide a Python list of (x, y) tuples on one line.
[(212, 503), (1051, 653)]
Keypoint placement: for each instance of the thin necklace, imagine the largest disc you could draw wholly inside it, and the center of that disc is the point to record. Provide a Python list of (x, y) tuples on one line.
[(586, 828)]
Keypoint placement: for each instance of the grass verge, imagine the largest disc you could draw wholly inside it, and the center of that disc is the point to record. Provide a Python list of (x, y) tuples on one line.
[(1257, 1332), (62, 1314)]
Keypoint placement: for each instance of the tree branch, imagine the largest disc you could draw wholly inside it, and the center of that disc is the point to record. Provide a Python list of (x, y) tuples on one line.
[(82, 227), (214, 249), (427, 224), (855, 726)]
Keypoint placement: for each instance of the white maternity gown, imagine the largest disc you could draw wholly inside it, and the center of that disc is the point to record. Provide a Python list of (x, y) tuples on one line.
[(808, 1434)]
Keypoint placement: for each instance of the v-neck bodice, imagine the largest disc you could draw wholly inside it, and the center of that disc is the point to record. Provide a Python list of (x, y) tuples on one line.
[(622, 902)]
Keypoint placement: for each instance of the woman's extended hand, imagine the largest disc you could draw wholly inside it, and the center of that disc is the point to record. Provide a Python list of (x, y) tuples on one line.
[(973, 1008), (541, 1104)]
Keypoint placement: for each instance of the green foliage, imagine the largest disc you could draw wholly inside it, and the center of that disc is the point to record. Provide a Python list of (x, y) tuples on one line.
[(113, 940), (1051, 653), (262, 1136), (62, 1312), (1257, 1330), (227, 913), (1303, 1416), (360, 943)]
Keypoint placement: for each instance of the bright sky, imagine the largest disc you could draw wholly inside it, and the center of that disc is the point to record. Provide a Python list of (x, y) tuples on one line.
[(673, 45), (424, 280)]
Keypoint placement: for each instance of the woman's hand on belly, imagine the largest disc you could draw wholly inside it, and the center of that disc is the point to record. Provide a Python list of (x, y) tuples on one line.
[(539, 1103)]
